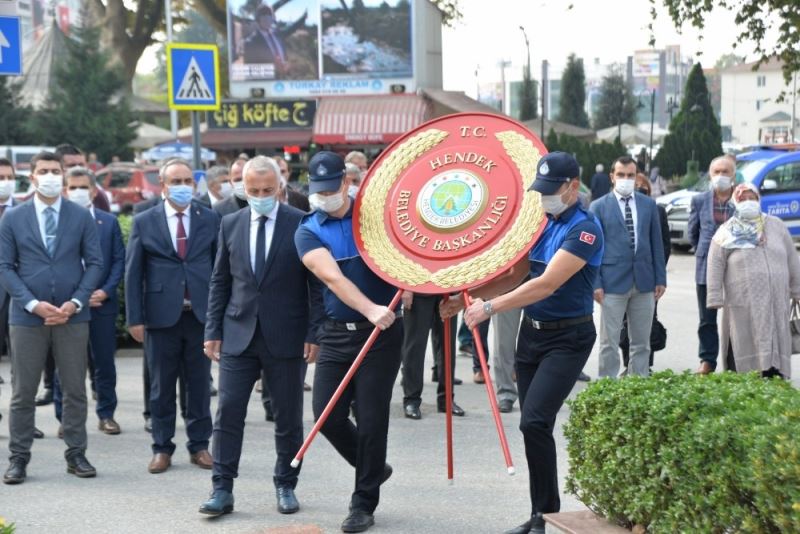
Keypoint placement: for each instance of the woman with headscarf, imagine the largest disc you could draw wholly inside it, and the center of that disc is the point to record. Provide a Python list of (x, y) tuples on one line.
[(753, 270)]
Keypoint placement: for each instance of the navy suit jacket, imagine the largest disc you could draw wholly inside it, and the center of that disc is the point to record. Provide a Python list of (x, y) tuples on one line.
[(156, 278), (701, 228), (286, 302), (113, 250), (232, 204), (622, 268), (3, 293), (29, 273)]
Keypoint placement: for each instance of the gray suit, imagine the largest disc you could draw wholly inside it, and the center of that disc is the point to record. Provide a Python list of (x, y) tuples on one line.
[(29, 273)]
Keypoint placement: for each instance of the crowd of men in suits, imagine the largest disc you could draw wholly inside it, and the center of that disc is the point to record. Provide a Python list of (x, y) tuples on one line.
[(200, 265)]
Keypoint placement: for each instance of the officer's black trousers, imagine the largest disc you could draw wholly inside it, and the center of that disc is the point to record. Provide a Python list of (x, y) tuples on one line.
[(362, 445), (548, 363)]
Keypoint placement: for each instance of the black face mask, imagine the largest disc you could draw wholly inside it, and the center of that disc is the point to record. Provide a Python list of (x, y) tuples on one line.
[(643, 191)]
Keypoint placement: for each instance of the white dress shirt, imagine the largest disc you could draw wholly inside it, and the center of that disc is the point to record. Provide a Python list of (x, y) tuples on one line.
[(172, 222), (634, 215), (269, 229)]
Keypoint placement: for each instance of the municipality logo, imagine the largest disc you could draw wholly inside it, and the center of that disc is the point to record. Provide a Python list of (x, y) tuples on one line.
[(321, 170), (544, 169), (451, 201)]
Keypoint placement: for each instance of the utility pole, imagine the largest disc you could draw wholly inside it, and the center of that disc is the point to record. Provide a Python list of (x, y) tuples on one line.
[(794, 106), (503, 64), (173, 114)]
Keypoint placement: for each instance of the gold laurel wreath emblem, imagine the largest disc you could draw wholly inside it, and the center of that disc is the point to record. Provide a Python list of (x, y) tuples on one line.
[(386, 257)]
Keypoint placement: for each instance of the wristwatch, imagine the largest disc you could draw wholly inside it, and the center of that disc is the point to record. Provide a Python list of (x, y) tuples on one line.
[(487, 308)]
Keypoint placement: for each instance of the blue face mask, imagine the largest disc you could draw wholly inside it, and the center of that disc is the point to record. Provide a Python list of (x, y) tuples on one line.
[(261, 205), (181, 194)]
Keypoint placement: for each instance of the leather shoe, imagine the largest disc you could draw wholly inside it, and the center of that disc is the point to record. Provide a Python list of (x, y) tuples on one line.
[(79, 466), (435, 378), (37, 434), (478, 377), (457, 410), (306, 387), (466, 349), (212, 391), (268, 415), (387, 473), (148, 425), (202, 459), (505, 406), (220, 502), (160, 462), (45, 398), (15, 474), (583, 377), (413, 412), (705, 369), (357, 521), (534, 525), (287, 502), (109, 426)]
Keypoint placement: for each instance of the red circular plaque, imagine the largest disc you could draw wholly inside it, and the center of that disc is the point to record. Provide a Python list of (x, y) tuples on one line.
[(446, 207)]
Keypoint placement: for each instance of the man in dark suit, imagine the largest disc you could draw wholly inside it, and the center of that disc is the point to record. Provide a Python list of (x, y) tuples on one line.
[(169, 261), (81, 188), (632, 275), (707, 212), (600, 183), (51, 264), (218, 184), (265, 44), (287, 194), (72, 156), (8, 184), (257, 272), (238, 199)]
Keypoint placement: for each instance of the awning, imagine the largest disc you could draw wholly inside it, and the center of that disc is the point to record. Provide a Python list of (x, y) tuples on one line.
[(367, 120), (249, 139)]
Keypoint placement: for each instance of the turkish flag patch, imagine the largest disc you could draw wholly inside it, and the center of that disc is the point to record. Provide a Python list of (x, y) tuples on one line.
[(587, 238)]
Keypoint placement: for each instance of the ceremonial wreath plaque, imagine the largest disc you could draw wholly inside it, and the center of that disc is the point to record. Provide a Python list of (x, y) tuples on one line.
[(446, 207)]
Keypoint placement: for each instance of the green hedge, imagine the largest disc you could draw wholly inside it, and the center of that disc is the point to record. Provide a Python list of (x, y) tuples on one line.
[(125, 222), (685, 453)]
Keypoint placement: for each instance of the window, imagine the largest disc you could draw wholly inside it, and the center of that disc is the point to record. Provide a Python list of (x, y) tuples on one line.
[(119, 179), (761, 81), (787, 177), (758, 105)]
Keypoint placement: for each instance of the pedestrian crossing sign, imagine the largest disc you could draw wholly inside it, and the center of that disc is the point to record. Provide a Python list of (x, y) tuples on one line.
[(193, 77)]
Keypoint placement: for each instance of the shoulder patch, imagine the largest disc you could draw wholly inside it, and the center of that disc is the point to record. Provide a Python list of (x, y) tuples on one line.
[(587, 238)]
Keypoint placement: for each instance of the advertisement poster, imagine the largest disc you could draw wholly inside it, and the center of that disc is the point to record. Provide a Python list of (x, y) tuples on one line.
[(310, 47)]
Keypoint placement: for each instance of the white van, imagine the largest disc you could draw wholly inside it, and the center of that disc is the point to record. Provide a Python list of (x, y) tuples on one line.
[(20, 157)]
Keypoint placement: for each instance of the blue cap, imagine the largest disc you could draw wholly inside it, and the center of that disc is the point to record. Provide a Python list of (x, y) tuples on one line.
[(553, 170), (325, 172)]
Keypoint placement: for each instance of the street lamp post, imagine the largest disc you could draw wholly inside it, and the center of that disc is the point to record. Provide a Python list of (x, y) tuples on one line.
[(652, 120)]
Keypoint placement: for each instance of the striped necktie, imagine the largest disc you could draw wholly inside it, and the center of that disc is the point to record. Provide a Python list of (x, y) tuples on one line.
[(629, 222), (50, 228)]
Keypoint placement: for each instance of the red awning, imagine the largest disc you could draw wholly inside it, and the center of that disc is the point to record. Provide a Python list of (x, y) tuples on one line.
[(249, 139), (367, 120)]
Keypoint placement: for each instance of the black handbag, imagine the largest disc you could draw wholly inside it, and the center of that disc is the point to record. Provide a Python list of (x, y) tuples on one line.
[(658, 336)]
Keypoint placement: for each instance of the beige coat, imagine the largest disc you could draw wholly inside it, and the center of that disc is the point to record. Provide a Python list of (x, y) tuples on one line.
[(753, 287)]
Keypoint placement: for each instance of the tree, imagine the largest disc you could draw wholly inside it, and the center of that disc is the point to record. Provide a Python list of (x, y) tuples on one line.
[(14, 118), (616, 103), (753, 20), (529, 97), (694, 133), (87, 106), (573, 94)]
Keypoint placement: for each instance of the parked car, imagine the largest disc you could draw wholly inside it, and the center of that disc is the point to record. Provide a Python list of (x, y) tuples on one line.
[(677, 205), (129, 183), (20, 157)]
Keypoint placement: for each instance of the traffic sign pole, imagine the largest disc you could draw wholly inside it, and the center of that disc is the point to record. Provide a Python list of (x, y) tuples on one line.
[(196, 140)]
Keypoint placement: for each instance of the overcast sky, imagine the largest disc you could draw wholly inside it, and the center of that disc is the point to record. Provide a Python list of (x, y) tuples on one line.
[(607, 29)]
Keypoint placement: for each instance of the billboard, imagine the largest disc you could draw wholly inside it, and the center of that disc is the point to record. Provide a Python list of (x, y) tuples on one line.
[(263, 115), (310, 47), (319, 41)]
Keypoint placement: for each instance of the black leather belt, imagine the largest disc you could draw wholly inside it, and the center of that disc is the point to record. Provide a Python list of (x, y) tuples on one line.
[(359, 325), (556, 325)]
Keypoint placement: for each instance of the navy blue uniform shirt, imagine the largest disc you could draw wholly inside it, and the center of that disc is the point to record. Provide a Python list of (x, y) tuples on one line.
[(320, 230), (577, 232)]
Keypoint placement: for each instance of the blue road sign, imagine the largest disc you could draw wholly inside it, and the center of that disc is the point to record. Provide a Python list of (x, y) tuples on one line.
[(10, 47), (193, 76)]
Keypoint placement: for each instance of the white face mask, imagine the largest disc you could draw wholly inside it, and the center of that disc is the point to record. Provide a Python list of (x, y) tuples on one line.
[(81, 197), (50, 184), (352, 191), (624, 186), (748, 209), (7, 188), (553, 204), (225, 189), (328, 204), (721, 182), (238, 190)]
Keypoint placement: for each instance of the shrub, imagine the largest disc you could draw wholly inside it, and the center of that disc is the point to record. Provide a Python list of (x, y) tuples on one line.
[(125, 222), (685, 453)]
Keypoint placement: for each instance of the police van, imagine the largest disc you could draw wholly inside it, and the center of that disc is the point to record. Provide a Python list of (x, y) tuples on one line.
[(776, 173)]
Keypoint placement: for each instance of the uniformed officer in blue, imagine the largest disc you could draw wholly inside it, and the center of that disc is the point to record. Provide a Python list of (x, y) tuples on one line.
[(355, 302), (557, 332)]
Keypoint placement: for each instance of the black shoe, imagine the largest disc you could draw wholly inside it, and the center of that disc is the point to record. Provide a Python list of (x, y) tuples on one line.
[(94, 395), (413, 412), (148, 425), (387, 473), (220, 502), (505, 406), (534, 525), (79, 466), (583, 377), (457, 410), (45, 398), (15, 474), (466, 350), (37, 434), (268, 415), (287, 502), (435, 378), (457, 381), (213, 391), (357, 521), (2, 381)]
